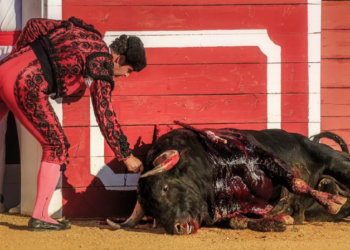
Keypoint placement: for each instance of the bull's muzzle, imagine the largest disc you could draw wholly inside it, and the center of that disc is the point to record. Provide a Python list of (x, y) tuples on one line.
[(188, 227), (163, 163)]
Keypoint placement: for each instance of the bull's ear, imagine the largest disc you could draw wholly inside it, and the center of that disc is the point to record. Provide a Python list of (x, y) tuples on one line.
[(163, 163)]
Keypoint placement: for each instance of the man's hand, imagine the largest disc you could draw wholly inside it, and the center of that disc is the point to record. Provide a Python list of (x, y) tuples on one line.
[(134, 164)]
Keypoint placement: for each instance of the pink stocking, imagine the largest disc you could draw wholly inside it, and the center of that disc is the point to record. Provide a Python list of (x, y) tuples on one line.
[(48, 177)]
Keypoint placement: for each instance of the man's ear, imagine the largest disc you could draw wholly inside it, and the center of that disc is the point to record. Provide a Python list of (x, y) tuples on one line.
[(122, 60)]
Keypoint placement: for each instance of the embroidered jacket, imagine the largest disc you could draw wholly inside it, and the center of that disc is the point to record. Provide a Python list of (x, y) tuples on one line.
[(78, 54)]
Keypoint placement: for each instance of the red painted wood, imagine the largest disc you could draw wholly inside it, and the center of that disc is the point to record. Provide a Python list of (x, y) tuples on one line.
[(164, 109), (278, 18), (133, 110), (335, 73), (331, 144), (195, 79), (197, 85), (79, 140), (335, 15), (78, 137), (201, 79), (69, 3), (335, 44), (140, 137), (94, 202), (78, 171), (205, 55), (335, 123), (335, 102), (301, 128), (295, 108), (9, 38), (146, 133), (338, 125), (76, 111), (294, 49), (295, 77), (212, 55)]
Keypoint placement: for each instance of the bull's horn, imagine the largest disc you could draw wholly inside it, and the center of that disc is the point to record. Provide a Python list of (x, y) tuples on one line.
[(113, 224), (163, 163)]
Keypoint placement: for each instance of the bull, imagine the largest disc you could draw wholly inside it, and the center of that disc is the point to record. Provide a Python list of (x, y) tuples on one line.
[(260, 180)]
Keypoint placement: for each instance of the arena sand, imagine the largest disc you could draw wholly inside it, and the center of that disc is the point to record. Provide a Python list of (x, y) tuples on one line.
[(89, 234)]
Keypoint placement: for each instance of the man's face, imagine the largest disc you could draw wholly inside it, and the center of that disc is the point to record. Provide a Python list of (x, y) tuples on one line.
[(121, 69)]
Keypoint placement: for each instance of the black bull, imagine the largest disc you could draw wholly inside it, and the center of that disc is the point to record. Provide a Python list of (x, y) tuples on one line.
[(261, 180)]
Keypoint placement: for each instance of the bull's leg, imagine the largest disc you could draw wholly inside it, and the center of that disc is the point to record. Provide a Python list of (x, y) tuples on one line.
[(276, 223), (332, 203), (336, 164), (277, 170), (132, 221), (317, 213)]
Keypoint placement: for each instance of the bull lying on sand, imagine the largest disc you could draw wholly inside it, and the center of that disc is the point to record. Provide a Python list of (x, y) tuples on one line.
[(261, 180)]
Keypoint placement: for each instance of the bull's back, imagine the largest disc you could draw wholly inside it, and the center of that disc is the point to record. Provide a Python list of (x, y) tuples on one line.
[(287, 146), (187, 143)]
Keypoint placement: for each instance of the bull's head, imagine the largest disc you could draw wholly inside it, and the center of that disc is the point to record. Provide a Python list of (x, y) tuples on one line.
[(177, 186), (163, 163)]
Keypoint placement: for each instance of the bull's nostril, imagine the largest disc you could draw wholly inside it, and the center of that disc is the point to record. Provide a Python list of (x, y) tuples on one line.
[(177, 228)]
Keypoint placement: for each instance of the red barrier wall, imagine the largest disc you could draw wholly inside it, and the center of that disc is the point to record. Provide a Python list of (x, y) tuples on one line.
[(208, 87)]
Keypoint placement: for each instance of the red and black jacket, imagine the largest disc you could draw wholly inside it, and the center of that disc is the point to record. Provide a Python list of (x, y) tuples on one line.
[(77, 52)]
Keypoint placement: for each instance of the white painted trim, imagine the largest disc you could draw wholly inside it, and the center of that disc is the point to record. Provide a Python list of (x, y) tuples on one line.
[(4, 51), (182, 39), (31, 151), (55, 207), (314, 62), (53, 9), (98, 167), (3, 129), (314, 2), (274, 76), (223, 38)]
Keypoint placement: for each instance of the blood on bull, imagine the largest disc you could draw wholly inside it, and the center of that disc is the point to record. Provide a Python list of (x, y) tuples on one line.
[(260, 180)]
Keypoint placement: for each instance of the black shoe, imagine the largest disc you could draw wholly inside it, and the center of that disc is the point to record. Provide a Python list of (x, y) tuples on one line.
[(2, 205), (41, 226), (61, 221)]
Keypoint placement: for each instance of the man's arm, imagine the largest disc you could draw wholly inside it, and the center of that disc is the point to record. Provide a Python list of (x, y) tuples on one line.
[(34, 29), (107, 120)]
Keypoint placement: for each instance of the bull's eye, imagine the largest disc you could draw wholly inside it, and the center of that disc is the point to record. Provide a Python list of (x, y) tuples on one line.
[(165, 188)]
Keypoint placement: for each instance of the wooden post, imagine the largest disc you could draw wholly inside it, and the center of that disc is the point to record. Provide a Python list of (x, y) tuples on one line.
[(31, 151)]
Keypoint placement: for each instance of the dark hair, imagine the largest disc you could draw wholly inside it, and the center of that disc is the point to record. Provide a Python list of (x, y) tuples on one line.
[(133, 50)]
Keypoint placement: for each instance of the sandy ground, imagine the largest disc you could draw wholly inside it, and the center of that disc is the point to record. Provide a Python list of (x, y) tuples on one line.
[(92, 235)]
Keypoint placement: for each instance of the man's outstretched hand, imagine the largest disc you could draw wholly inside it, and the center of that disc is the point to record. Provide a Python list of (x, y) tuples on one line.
[(134, 164)]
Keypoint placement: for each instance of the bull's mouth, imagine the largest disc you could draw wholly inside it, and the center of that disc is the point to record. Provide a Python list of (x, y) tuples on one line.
[(187, 227)]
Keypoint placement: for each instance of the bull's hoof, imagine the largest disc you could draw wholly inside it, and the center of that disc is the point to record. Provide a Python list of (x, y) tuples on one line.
[(186, 227), (336, 204), (269, 224), (332, 203), (114, 225), (239, 223), (287, 219), (126, 224)]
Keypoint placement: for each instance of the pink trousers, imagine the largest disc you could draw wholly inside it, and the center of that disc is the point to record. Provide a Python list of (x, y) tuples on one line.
[(24, 91)]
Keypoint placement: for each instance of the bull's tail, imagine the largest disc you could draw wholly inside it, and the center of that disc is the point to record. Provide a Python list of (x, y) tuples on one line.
[(335, 176), (332, 136), (207, 133)]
